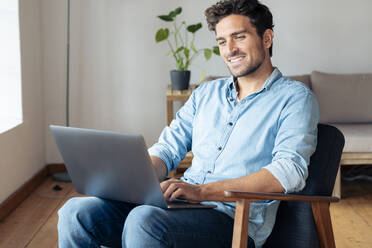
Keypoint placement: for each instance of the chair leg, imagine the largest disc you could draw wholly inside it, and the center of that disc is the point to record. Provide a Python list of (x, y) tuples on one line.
[(240, 235), (337, 187), (323, 224)]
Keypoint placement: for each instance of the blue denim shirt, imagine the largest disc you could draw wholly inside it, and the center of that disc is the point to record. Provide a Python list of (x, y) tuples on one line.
[(274, 129)]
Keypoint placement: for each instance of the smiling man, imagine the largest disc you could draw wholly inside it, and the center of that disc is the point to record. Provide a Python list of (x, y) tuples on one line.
[(253, 131)]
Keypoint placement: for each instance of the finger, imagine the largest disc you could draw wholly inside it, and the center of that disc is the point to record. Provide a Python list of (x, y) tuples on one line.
[(178, 193), (171, 188), (164, 185), (169, 191)]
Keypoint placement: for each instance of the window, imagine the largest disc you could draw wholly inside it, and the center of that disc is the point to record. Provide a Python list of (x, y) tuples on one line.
[(10, 66)]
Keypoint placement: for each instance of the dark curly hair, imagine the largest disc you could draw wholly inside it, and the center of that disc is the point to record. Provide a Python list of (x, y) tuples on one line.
[(259, 14)]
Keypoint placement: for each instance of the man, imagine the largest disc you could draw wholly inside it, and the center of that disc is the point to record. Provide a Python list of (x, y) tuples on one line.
[(253, 131)]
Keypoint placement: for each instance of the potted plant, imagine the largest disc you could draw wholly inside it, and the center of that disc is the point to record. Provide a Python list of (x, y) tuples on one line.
[(182, 49)]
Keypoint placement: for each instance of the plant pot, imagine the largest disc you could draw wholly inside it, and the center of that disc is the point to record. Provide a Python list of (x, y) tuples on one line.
[(180, 79)]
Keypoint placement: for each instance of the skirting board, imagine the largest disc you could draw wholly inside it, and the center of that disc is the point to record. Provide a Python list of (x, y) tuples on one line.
[(27, 188)]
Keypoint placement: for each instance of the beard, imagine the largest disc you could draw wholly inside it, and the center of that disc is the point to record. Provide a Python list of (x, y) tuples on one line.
[(250, 67), (247, 70)]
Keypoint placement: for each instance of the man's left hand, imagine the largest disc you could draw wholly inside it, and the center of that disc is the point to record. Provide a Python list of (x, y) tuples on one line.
[(174, 188)]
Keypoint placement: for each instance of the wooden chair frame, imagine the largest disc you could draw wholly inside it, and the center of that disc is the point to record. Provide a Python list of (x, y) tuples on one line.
[(319, 205)]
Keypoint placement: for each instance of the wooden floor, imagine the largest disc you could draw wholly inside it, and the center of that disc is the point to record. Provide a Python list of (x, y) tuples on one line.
[(34, 222)]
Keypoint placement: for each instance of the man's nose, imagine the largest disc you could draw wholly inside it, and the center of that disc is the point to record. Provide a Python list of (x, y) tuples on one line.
[(232, 47)]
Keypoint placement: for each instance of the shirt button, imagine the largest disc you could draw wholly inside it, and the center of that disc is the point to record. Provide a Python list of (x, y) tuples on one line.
[(230, 123), (209, 172), (220, 148), (231, 99)]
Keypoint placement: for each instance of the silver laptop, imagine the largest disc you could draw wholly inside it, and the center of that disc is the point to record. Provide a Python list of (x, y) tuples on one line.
[(112, 166)]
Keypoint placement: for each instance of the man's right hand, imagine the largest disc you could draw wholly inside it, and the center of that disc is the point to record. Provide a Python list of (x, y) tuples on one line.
[(175, 188)]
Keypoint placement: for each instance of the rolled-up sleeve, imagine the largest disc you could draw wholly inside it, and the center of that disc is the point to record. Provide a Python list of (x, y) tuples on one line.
[(176, 139), (295, 141)]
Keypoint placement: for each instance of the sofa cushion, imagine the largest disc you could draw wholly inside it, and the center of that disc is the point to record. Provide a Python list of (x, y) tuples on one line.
[(305, 79), (343, 98), (358, 137)]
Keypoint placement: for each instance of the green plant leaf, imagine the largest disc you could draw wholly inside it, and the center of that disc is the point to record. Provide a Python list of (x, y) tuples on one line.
[(186, 51), (166, 18), (193, 48), (216, 50), (207, 53), (162, 34), (178, 10), (193, 28), (175, 12)]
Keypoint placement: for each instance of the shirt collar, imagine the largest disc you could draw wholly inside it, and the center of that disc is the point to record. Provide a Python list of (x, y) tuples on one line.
[(275, 75)]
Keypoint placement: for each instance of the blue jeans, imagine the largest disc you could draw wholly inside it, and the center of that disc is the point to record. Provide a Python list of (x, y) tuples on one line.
[(92, 222)]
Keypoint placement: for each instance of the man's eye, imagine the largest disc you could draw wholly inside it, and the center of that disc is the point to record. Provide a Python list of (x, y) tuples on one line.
[(240, 37), (221, 43)]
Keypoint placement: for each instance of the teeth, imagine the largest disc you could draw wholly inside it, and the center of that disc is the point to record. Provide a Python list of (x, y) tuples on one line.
[(236, 59)]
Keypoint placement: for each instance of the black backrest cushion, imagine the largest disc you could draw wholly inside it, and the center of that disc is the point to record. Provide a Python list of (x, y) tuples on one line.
[(295, 226)]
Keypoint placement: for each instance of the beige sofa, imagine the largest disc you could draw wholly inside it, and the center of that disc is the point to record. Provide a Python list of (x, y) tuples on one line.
[(345, 101)]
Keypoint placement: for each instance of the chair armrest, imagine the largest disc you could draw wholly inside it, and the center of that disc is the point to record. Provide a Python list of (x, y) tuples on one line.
[(319, 206), (257, 196)]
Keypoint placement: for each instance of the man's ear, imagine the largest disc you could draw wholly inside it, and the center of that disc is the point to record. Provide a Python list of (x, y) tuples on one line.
[(268, 37)]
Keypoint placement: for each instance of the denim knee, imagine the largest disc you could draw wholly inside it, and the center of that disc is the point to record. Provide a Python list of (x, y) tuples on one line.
[(145, 224), (75, 212), (76, 222), (71, 207)]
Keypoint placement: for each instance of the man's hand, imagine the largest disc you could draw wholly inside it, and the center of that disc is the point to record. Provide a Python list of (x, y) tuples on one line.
[(174, 188)]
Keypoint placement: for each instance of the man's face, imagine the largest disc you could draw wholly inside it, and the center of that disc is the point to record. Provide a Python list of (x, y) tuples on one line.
[(240, 46)]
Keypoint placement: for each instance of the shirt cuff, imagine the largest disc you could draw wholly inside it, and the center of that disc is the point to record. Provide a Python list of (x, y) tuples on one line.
[(158, 151), (286, 173)]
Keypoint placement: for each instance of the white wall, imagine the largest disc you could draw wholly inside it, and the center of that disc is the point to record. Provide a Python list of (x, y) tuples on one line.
[(22, 148), (331, 36), (119, 74)]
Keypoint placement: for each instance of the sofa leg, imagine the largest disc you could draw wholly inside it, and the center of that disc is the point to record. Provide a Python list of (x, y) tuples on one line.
[(337, 187)]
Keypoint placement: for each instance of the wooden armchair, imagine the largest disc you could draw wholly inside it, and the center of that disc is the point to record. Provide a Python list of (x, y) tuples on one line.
[(303, 219)]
